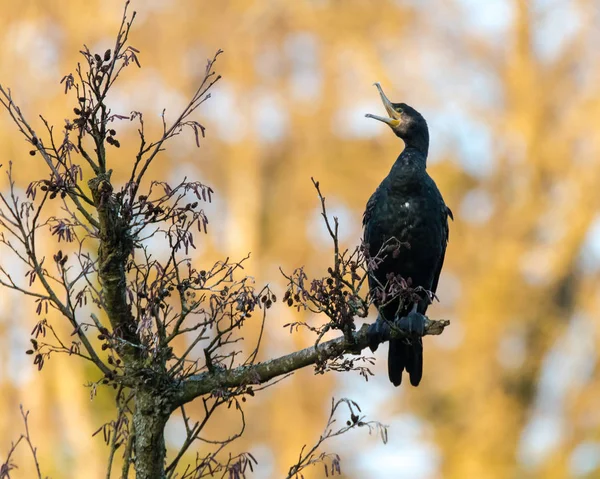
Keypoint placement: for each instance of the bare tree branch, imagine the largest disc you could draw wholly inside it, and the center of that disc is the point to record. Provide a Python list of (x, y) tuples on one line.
[(260, 373), (7, 466)]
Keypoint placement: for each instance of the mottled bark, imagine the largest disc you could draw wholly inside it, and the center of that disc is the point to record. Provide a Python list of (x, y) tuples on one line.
[(115, 247), (151, 409), (149, 419)]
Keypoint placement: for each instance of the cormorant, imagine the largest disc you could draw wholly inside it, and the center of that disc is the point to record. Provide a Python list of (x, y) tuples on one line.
[(406, 206)]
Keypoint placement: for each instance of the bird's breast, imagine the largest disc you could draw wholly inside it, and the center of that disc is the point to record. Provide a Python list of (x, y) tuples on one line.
[(413, 216)]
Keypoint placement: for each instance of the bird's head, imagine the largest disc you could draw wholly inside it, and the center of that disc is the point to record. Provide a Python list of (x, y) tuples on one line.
[(405, 122)]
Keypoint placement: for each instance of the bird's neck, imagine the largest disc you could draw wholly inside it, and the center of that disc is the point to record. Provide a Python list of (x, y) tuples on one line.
[(418, 142), (412, 159)]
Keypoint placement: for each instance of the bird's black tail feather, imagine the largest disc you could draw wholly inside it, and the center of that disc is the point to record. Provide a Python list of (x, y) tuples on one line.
[(404, 355)]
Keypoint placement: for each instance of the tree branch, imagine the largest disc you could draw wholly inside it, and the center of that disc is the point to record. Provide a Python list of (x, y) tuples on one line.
[(260, 373)]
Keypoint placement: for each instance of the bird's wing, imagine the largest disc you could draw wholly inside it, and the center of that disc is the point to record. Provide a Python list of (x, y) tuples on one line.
[(371, 206), (447, 212)]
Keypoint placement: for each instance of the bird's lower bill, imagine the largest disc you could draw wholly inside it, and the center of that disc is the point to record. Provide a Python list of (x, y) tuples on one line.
[(390, 121)]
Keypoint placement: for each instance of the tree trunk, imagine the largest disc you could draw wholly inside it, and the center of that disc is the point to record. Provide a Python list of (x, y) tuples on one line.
[(149, 420), (151, 408)]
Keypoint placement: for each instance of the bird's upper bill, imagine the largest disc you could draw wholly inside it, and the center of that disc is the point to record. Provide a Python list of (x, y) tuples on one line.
[(394, 116)]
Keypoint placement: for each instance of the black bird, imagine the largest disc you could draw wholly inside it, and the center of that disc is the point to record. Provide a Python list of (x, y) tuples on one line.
[(406, 206)]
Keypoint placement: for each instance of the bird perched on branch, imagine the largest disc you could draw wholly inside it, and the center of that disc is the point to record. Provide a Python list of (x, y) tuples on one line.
[(407, 208)]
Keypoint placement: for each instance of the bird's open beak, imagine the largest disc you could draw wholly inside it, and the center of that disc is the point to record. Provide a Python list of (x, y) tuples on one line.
[(394, 117)]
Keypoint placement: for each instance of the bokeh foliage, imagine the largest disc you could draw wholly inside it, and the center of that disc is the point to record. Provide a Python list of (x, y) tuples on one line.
[(509, 88)]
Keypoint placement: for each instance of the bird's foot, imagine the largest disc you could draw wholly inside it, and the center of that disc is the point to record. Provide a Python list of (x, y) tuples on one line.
[(377, 333), (413, 323)]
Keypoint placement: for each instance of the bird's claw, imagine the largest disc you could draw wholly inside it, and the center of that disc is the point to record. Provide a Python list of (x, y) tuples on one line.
[(413, 323)]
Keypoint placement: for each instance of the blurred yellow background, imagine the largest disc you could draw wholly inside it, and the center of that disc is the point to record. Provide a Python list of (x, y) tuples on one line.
[(510, 89)]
